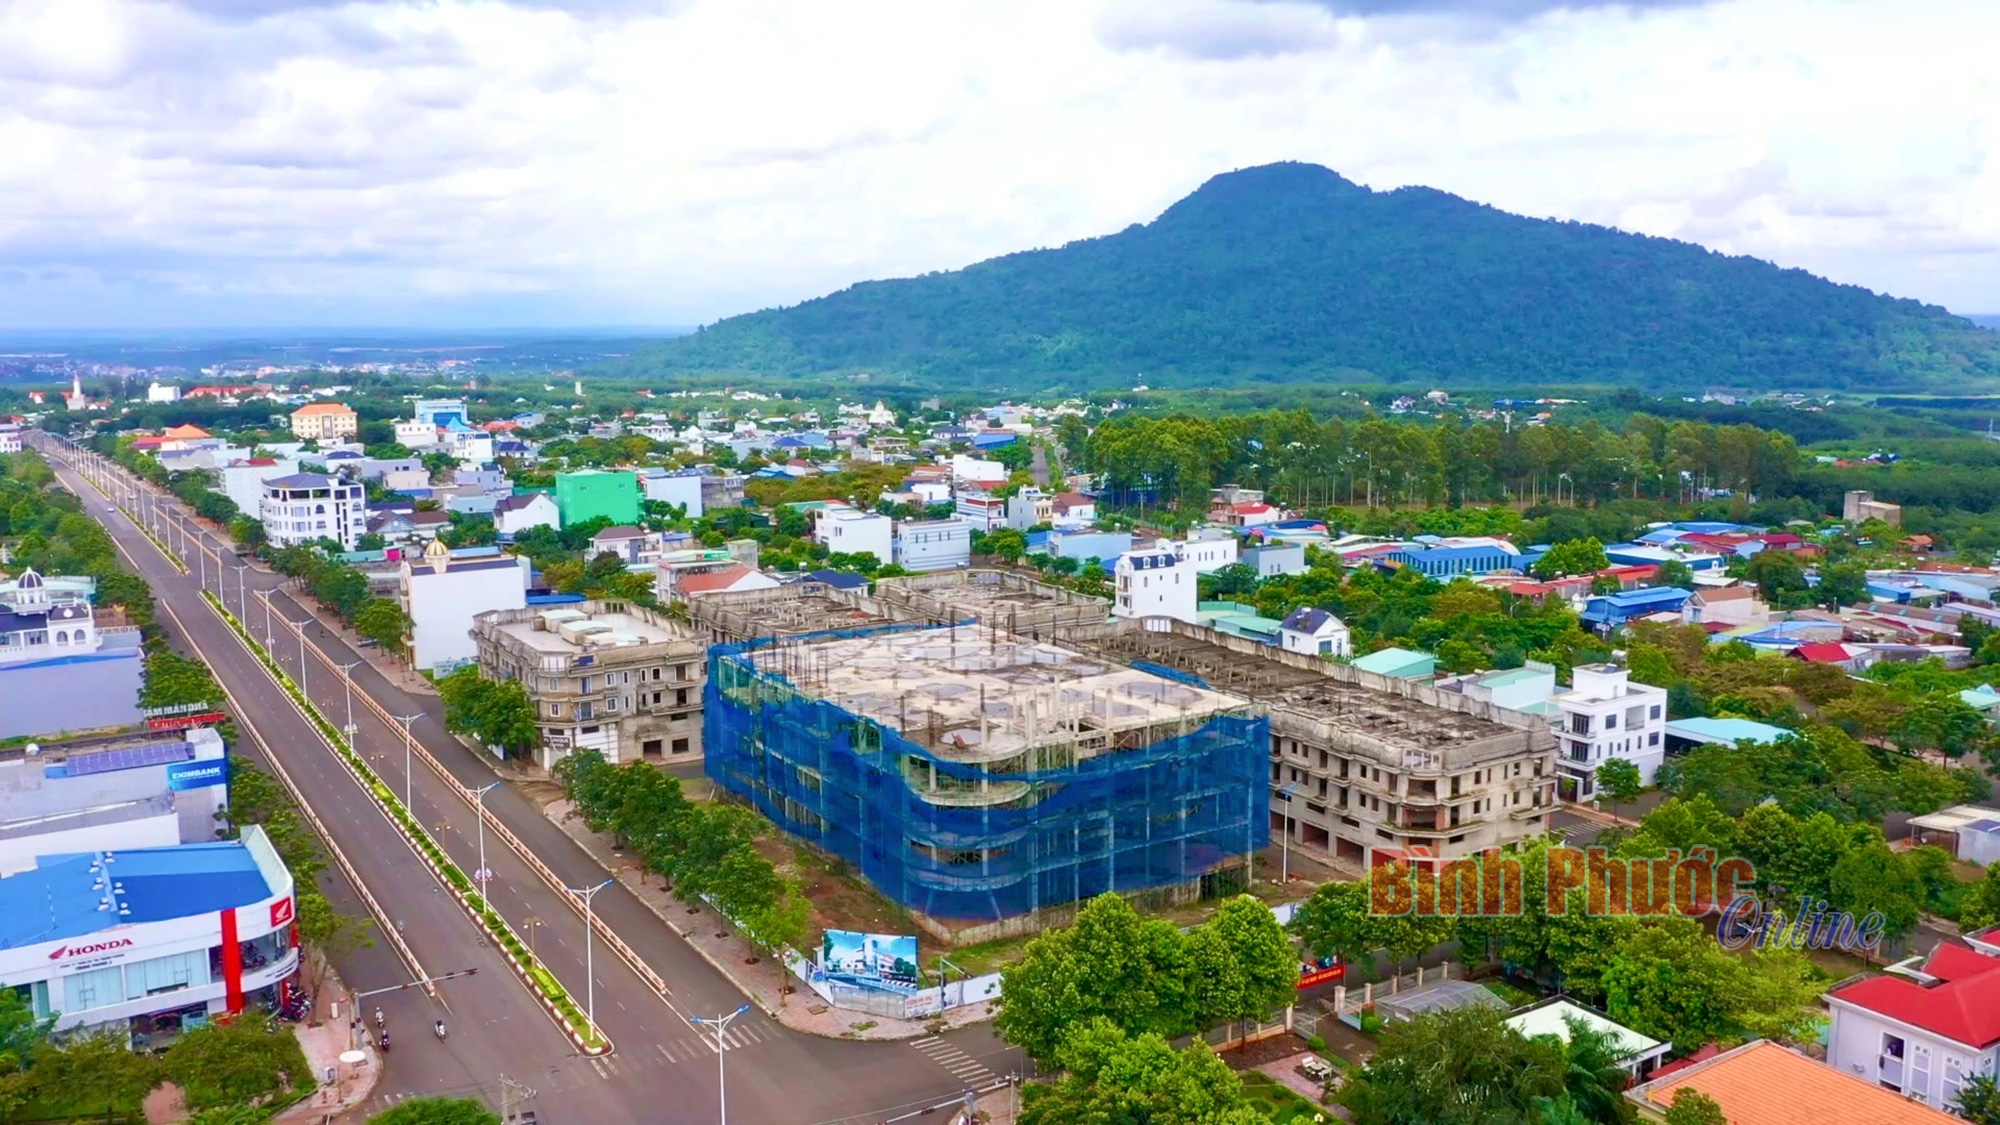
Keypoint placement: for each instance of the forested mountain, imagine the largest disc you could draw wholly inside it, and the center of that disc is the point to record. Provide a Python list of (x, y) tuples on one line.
[(1289, 271)]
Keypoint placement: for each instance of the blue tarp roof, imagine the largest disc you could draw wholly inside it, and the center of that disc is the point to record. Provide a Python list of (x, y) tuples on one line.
[(1725, 730), (65, 896)]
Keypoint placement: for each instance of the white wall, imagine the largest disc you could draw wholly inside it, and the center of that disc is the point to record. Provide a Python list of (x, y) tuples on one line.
[(1154, 591), (1854, 1047), (162, 831), (674, 490), (441, 607), (934, 545)]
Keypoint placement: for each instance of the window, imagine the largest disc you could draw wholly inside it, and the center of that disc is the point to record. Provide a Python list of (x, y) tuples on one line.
[(680, 745), (93, 989), (1610, 722), (1656, 711), (171, 973), (588, 730), (1954, 1080), (1653, 739), (555, 710), (681, 698)]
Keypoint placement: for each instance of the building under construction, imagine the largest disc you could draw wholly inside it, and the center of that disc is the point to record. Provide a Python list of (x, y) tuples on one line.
[(792, 611), (1016, 603), (980, 777), (1361, 762)]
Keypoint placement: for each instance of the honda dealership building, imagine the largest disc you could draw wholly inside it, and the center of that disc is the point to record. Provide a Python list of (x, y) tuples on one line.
[(150, 941)]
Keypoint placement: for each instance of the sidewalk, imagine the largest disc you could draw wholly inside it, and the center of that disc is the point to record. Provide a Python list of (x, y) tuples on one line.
[(803, 1010), (323, 1040)]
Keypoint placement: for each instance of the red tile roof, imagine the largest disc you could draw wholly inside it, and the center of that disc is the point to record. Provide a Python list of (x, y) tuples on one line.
[(714, 580), (1762, 1083), (1965, 1007), (1822, 652)]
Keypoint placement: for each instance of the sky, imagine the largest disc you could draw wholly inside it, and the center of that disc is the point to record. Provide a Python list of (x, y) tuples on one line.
[(484, 163)]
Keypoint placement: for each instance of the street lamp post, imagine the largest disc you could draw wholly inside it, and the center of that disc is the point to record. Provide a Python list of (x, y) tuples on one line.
[(299, 627), (408, 776), (242, 604), (721, 1025), (270, 634), (1285, 836), (589, 973), (481, 875), (347, 681)]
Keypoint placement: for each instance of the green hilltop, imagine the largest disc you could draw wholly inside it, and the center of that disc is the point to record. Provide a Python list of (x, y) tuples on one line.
[(1290, 272)]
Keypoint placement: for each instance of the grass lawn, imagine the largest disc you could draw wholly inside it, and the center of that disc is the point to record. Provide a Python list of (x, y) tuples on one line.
[(1278, 1102)]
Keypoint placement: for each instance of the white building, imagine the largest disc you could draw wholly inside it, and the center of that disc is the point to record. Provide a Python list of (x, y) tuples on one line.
[(515, 514), (1605, 715), (664, 486), (150, 939), (1030, 507), (243, 481), (416, 435), (1206, 552), (851, 532), (163, 392), (881, 415), (1528, 689), (1154, 582), (10, 438), (980, 511), (1315, 632), (966, 467), (442, 595), (149, 790), (1922, 1031), (924, 545), (305, 507)]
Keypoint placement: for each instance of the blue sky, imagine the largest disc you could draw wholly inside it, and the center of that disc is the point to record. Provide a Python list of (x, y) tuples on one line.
[(477, 163)]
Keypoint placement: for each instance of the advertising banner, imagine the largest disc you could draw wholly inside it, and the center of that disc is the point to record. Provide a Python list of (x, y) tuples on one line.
[(182, 776), (877, 962)]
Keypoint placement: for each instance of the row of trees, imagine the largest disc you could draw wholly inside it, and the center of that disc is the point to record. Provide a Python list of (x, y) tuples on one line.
[(343, 589), (703, 851), (1309, 461)]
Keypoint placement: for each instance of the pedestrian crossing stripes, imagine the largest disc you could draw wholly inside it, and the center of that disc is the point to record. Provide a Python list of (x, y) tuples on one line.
[(962, 1066)]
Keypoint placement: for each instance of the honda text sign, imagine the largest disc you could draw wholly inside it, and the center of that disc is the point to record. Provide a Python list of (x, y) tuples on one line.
[(197, 775)]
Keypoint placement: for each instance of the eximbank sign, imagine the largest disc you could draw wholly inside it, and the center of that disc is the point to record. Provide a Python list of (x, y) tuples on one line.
[(198, 774)]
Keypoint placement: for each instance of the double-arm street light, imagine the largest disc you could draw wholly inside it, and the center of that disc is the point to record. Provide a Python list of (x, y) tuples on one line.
[(589, 972), (408, 775), (721, 1025), (347, 681), (479, 802)]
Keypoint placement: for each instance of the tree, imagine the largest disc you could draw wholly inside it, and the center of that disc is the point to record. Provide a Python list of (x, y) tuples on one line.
[(1780, 578), (1619, 780), (1109, 1075), (1577, 556), (1692, 1107), (1872, 879), (784, 921), (1670, 980), (243, 1062), (22, 1033), (1458, 1067), (1841, 584), (1675, 573), (1242, 964), (1110, 963), (1594, 1075), (437, 1111), (327, 933), (96, 1070), (1981, 906), (1335, 922), (383, 621)]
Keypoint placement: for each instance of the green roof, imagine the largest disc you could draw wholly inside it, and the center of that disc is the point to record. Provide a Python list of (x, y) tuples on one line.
[(1400, 662)]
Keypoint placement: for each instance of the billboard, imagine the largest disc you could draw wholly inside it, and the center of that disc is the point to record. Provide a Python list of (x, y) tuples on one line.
[(199, 774), (877, 962)]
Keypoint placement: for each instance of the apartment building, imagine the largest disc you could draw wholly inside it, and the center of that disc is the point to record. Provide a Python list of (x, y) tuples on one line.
[(1154, 582), (926, 545), (1604, 715), (603, 675), (1361, 762)]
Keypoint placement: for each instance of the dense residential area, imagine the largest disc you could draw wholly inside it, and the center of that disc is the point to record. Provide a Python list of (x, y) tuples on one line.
[(1131, 692)]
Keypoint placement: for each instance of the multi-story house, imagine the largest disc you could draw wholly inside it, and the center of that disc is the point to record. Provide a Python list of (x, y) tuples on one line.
[(1154, 582), (442, 595), (1029, 508), (926, 545), (848, 532), (1924, 1030), (324, 421), (1604, 715), (515, 514), (306, 507), (603, 675), (983, 512)]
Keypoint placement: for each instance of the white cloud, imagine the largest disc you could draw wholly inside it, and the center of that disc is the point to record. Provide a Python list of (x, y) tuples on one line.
[(234, 161)]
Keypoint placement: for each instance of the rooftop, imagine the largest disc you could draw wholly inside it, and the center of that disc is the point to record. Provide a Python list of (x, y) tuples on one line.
[(1553, 1018), (979, 694), (323, 408), (1959, 997), (585, 627), (1397, 721), (1726, 731), (1010, 601), (1762, 1083), (69, 896), (802, 607)]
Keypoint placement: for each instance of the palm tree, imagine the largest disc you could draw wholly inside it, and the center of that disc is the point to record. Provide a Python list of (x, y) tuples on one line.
[(1594, 1076)]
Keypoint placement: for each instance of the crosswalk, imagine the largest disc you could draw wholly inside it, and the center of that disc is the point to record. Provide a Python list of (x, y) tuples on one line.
[(962, 1066)]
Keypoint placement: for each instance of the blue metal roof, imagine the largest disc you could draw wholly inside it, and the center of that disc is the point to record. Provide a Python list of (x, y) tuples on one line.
[(67, 896), (1730, 731)]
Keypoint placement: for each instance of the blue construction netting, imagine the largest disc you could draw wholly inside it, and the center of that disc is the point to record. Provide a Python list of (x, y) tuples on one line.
[(1166, 813), (1174, 674)]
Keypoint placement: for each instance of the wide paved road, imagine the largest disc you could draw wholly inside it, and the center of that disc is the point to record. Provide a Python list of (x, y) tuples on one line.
[(662, 1069)]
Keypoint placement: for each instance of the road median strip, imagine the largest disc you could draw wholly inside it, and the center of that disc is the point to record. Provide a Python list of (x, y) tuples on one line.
[(555, 999)]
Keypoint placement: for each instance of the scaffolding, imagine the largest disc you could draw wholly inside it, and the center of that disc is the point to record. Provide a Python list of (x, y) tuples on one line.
[(971, 774)]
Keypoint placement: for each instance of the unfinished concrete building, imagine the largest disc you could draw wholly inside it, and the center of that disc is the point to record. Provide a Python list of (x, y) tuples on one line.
[(1360, 762), (793, 610), (1015, 603), (987, 781)]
